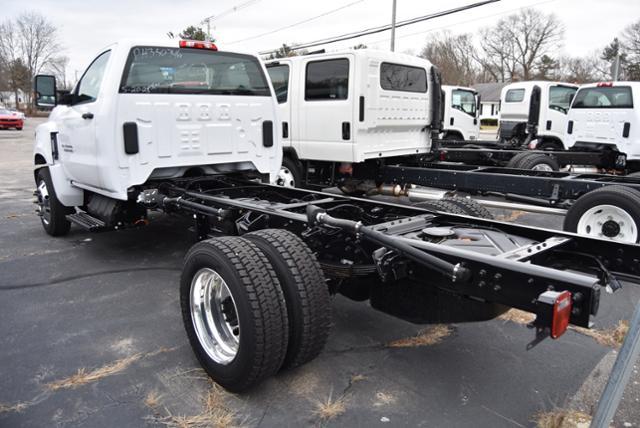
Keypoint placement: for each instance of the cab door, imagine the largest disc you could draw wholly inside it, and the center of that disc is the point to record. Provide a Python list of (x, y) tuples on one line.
[(280, 75), (463, 113), (77, 126), (555, 121), (326, 113)]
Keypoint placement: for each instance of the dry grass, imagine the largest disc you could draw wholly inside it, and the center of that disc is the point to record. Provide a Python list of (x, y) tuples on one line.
[(330, 409), (10, 408), (517, 316), (152, 400), (612, 337), (512, 216), (358, 378), (427, 337), (83, 377), (384, 399), (563, 419), (215, 413)]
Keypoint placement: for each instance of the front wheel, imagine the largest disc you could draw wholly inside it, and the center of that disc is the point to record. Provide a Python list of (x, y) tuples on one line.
[(289, 174), (52, 213), (611, 212), (234, 312)]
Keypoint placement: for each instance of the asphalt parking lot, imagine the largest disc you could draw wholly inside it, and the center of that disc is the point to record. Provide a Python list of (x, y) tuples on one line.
[(91, 335)]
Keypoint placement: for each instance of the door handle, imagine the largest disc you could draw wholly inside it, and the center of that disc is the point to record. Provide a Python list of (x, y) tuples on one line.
[(87, 115)]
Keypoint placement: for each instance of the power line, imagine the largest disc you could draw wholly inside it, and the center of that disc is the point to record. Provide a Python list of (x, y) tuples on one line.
[(231, 10), (382, 28), (313, 18), (466, 22)]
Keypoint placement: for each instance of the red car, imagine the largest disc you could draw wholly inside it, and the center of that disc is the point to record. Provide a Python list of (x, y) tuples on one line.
[(10, 120)]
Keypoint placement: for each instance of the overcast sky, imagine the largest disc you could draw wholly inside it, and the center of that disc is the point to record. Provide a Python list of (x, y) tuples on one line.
[(85, 26)]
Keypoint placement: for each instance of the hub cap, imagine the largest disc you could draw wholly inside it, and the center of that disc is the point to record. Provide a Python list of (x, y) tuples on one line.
[(609, 222), (215, 316), (44, 204), (285, 178), (542, 167)]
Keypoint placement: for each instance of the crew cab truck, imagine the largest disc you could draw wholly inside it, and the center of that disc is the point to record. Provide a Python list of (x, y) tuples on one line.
[(461, 110), (603, 117), (188, 129), (352, 107)]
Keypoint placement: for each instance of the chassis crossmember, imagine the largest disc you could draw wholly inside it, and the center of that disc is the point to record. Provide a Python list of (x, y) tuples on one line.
[(400, 248)]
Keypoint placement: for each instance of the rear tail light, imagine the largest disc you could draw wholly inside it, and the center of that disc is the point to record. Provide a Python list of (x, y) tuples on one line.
[(554, 312), (195, 44)]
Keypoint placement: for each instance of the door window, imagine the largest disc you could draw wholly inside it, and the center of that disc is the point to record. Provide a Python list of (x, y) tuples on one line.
[(560, 98), (279, 75), (89, 85), (327, 80), (464, 101)]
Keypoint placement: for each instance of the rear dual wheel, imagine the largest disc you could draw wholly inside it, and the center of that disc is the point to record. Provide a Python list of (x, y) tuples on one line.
[(253, 306)]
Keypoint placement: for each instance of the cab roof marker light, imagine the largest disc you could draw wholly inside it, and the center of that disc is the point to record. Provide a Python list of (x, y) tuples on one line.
[(605, 84), (196, 44)]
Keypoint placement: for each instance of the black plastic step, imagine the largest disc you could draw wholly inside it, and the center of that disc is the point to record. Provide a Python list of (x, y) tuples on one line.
[(86, 221)]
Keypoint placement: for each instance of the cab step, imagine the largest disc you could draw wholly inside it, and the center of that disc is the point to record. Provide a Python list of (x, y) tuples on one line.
[(86, 221)]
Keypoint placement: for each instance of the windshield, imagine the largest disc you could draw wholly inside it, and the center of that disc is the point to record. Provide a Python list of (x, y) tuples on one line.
[(4, 111), (560, 98), (604, 97), (464, 100), (192, 71)]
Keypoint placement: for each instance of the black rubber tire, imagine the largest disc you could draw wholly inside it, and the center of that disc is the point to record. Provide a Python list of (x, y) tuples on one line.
[(453, 137), (261, 310), (18, 129), (530, 160), (305, 291), (441, 205), (294, 168), (471, 207), (623, 197), (515, 161), (58, 224)]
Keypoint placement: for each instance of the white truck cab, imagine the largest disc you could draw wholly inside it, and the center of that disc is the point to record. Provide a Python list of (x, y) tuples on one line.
[(542, 104), (350, 107), (147, 110), (603, 115), (461, 106)]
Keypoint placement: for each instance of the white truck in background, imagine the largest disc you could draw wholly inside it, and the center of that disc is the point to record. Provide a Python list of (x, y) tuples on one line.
[(461, 111), (346, 108), (542, 104), (604, 116)]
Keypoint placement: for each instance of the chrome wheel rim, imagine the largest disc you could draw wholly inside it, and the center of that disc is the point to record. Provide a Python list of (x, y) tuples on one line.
[(44, 203), (608, 222), (215, 316), (542, 167), (285, 178)]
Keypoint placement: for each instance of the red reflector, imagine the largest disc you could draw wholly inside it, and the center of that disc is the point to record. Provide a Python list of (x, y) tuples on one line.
[(605, 84), (561, 314), (198, 45), (443, 156)]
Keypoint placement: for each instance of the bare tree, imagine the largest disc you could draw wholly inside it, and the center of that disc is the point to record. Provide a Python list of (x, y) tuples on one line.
[(29, 43), (581, 69), (631, 44), (514, 46), (453, 55)]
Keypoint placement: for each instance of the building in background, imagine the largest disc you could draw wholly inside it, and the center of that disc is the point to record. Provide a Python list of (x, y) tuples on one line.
[(8, 99), (489, 99)]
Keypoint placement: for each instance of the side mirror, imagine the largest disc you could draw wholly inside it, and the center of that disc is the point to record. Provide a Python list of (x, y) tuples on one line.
[(478, 104), (45, 91)]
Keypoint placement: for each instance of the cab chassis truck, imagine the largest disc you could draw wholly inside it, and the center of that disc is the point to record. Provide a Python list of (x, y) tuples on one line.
[(254, 291), (368, 121)]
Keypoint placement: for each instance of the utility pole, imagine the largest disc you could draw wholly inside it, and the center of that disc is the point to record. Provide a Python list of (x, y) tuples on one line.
[(393, 27)]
